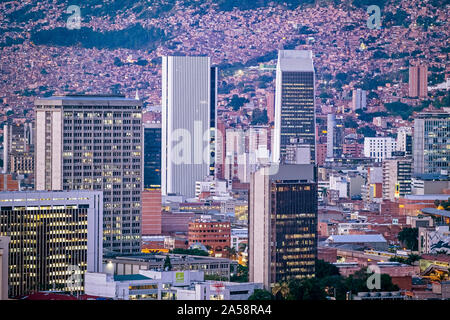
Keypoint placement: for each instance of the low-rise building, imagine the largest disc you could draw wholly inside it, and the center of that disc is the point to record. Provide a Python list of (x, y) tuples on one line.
[(132, 264), (374, 241), (165, 285)]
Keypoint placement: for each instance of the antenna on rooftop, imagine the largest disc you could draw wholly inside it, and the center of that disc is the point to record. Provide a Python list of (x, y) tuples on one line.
[(137, 95)]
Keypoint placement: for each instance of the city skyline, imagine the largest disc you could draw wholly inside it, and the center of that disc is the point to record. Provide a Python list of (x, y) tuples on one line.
[(225, 150)]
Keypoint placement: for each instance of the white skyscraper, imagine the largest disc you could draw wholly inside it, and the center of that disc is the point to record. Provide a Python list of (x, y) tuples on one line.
[(188, 122)]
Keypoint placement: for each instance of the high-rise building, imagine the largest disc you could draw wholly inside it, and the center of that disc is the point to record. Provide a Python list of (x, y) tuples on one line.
[(294, 102), (152, 155), (404, 140), (18, 148), (56, 236), (431, 150), (379, 148), (95, 143), (283, 224), (335, 136), (189, 99), (418, 81), (396, 178), (359, 99)]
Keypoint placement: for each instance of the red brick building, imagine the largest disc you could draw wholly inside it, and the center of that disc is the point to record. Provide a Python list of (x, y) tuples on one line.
[(321, 153), (151, 212), (215, 234), (352, 150), (7, 183)]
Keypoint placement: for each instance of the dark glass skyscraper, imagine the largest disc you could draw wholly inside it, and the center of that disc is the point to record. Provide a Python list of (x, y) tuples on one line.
[(283, 224), (294, 102), (152, 155)]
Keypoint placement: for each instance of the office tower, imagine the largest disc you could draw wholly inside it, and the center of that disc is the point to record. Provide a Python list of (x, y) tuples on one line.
[(188, 122), (418, 81), (431, 151), (298, 152), (359, 99), (152, 155), (396, 178), (282, 224), (18, 148), (335, 136), (4, 267), (294, 102), (379, 148), (95, 143), (56, 236), (404, 140)]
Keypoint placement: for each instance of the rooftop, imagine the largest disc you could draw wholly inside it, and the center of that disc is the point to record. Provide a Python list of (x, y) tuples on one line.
[(130, 277), (357, 238), (87, 100), (295, 172), (436, 212), (295, 60)]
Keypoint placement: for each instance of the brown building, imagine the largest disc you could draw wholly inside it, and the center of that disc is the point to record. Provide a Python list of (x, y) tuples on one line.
[(352, 150), (412, 205), (321, 153), (7, 183), (151, 212), (176, 222), (327, 254), (389, 208), (418, 81), (215, 234)]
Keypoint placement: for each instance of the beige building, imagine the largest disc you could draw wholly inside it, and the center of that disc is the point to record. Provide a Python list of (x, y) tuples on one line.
[(94, 142)]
